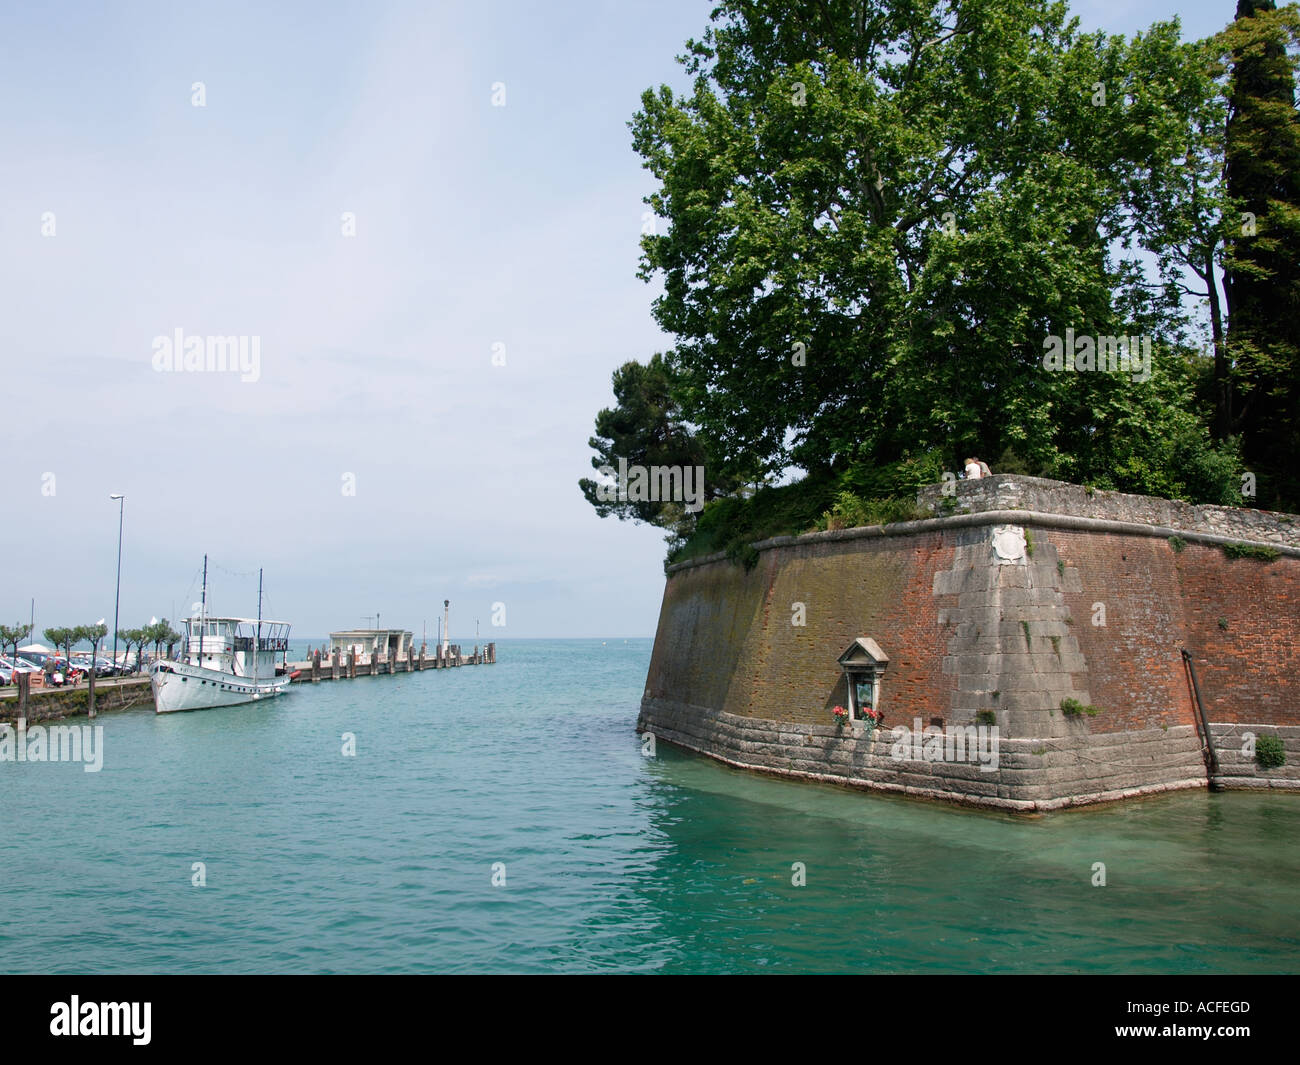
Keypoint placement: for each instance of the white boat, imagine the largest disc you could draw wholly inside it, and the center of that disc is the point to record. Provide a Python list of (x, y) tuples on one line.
[(226, 661)]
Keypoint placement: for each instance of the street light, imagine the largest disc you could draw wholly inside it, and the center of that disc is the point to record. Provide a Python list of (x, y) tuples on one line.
[(117, 596)]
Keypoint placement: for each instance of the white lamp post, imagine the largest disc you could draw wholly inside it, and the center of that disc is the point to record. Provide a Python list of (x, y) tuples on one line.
[(117, 596)]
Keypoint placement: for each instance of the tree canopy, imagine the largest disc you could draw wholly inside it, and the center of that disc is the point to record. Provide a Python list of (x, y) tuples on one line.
[(885, 216)]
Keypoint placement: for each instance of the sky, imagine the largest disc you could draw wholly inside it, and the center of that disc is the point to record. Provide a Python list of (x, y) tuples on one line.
[(428, 217)]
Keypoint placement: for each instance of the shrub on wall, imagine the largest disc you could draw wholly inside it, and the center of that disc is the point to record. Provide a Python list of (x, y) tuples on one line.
[(1269, 752), (1074, 708), (1266, 554)]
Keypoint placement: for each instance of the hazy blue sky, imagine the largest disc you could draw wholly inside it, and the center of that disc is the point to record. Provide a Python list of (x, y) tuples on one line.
[(476, 225)]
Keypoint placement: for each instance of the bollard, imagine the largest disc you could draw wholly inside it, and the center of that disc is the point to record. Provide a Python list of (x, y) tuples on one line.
[(334, 664), (24, 686), (315, 666), (90, 691)]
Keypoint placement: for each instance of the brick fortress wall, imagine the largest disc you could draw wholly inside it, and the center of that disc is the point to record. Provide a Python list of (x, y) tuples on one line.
[(1018, 594)]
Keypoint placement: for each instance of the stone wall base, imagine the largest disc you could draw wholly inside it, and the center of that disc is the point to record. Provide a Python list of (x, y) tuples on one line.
[(67, 702), (1032, 774), (1238, 768)]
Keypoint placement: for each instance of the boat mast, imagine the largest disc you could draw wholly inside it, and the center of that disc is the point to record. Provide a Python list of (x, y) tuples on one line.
[(203, 610), (257, 642)]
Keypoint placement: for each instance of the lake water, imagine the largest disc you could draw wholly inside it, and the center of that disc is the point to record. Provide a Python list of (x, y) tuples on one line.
[(384, 861)]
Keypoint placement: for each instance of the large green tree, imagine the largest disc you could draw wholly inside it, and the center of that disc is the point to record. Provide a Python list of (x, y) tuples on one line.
[(882, 210)]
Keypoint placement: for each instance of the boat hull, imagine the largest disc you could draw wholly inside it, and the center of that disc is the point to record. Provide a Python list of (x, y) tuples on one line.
[(179, 687)]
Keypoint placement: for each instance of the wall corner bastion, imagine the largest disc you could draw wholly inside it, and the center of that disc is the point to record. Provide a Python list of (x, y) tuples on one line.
[(1031, 636)]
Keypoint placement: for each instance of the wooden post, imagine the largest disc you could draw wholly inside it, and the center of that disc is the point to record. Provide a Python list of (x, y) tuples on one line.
[(315, 666), (90, 684), (24, 687), (421, 658), (352, 663), (334, 664)]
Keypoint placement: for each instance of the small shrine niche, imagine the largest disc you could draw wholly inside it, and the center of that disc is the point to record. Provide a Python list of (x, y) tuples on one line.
[(864, 666)]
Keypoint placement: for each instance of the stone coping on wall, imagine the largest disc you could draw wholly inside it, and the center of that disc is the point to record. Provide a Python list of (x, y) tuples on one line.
[(1007, 491), (1284, 539)]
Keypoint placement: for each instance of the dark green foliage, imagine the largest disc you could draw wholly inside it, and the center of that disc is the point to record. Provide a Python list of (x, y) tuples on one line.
[(1262, 283), (882, 212), (1257, 551), (1269, 752), (986, 717), (646, 428), (1074, 708), (732, 524), (1178, 544)]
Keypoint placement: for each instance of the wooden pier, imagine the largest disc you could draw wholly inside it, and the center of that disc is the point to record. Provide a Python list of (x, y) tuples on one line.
[(337, 666)]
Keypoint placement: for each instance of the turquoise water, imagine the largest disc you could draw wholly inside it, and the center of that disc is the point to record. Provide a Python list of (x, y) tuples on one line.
[(383, 862)]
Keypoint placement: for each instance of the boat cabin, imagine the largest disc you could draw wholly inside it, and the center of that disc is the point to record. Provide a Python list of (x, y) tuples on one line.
[(227, 645)]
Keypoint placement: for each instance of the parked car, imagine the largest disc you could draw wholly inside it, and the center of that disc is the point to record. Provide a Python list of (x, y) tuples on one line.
[(21, 665), (102, 666)]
